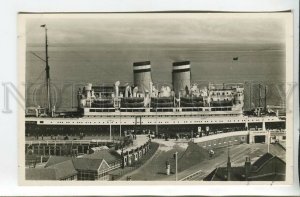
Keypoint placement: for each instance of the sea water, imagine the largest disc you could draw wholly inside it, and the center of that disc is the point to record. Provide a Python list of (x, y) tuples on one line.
[(72, 67)]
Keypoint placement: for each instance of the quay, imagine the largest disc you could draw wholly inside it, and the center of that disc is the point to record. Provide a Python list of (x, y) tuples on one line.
[(65, 147)]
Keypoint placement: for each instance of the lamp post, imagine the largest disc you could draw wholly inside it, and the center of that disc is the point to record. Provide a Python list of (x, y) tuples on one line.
[(176, 165), (269, 138), (110, 132)]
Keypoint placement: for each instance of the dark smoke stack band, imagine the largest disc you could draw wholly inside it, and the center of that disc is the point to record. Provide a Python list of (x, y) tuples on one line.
[(145, 63)]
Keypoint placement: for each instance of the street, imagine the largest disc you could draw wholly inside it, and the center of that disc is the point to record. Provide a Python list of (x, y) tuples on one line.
[(196, 160)]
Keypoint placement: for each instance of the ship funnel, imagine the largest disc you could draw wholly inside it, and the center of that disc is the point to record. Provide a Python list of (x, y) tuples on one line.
[(142, 76), (181, 78)]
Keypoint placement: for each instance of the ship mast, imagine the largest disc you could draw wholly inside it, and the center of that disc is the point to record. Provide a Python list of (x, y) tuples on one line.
[(47, 70), (259, 96), (265, 98), (250, 96)]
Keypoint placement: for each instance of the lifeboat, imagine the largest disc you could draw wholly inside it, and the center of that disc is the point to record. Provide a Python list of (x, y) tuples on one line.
[(101, 101), (165, 104), (102, 104), (192, 104), (161, 100), (133, 100), (191, 99), (221, 103), (132, 105)]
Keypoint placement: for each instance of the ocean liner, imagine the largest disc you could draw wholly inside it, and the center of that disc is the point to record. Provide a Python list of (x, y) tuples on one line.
[(184, 107), (144, 107)]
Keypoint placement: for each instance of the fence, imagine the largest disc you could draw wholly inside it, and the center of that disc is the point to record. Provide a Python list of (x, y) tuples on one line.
[(135, 165), (191, 176)]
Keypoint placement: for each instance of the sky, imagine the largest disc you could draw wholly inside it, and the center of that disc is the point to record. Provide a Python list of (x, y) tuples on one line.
[(156, 29), (93, 47)]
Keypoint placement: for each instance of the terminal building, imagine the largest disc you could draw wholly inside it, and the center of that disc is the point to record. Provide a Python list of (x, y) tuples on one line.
[(267, 168)]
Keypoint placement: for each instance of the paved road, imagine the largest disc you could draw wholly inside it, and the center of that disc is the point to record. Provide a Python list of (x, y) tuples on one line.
[(237, 156), (154, 169)]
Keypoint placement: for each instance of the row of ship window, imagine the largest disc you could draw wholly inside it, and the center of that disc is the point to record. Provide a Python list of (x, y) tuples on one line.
[(223, 93), (149, 116), (138, 122), (219, 93), (158, 122)]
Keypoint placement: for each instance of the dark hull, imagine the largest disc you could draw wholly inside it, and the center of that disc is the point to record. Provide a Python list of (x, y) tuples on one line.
[(32, 129)]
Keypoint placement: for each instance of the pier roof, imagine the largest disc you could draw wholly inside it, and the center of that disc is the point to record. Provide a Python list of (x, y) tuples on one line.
[(108, 155), (40, 174), (56, 159), (58, 171), (87, 164)]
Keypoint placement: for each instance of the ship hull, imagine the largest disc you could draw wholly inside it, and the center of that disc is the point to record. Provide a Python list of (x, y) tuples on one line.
[(167, 125)]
